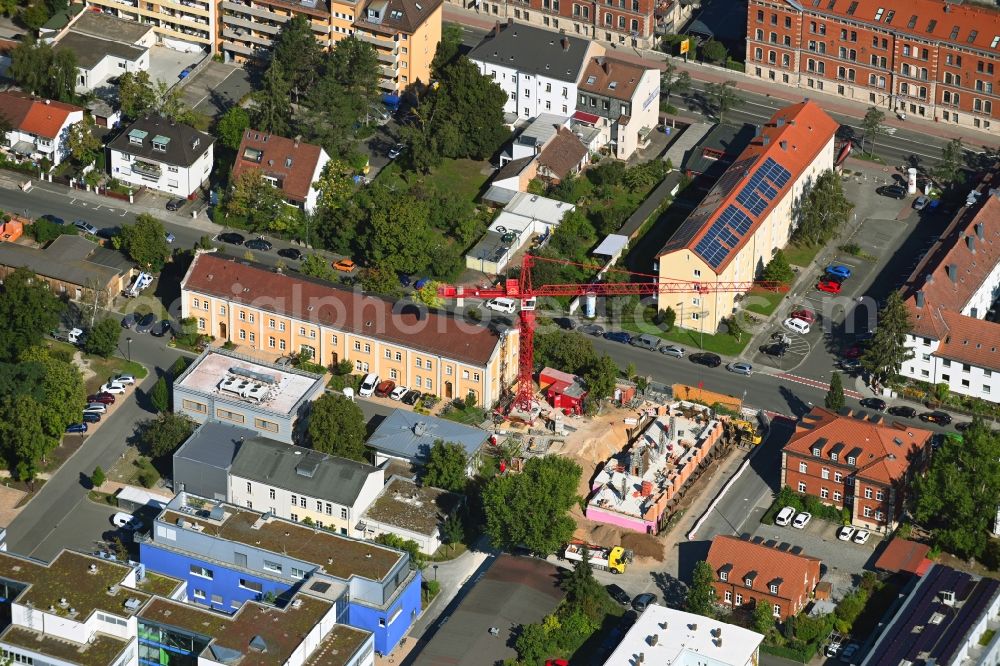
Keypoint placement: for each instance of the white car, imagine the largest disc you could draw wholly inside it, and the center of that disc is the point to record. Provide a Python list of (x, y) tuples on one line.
[(95, 408), (784, 516), (368, 385), (802, 520), (845, 533), (796, 325), (504, 305), (861, 537), (112, 387), (123, 379), (126, 521), (398, 393)]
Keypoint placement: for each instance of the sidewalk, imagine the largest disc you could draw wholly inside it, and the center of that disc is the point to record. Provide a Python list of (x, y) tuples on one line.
[(714, 74)]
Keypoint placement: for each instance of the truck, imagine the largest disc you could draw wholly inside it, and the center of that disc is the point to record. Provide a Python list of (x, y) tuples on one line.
[(612, 559), (74, 336)]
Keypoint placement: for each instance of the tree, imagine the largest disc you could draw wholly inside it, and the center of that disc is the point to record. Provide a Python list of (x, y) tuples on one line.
[(273, 113), (601, 377), (887, 351), (674, 81), (763, 617), (316, 266), (724, 98), (778, 269), (159, 395), (231, 127), (668, 317), (159, 437), (84, 146), (452, 530), (446, 466), (97, 478), (136, 94), (963, 481), (28, 309), (579, 582), (448, 49), (949, 169), (564, 350), (30, 64), (35, 15), (428, 295), (871, 127), (145, 242), (298, 54), (835, 395), (531, 508), (337, 426), (823, 211), (178, 367), (714, 51), (102, 338), (24, 439), (61, 391), (701, 593), (335, 185), (256, 199), (408, 546), (62, 76)]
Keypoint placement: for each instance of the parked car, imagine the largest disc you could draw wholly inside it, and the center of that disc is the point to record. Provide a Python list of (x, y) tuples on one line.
[(76, 428), (504, 305), (145, 325), (111, 387), (105, 398), (902, 410), (126, 521), (259, 244), (850, 364), (231, 238), (673, 350), (801, 519), (937, 416), (396, 151), (796, 325), (385, 388), (565, 323), (128, 321), (892, 191), (368, 385), (344, 265), (91, 417), (411, 397), (646, 341), (846, 533), (186, 72), (169, 237), (107, 233), (405, 280), (847, 654), (829, 286), (878, 404), (160, 328), (97, 407), (962, 426), (125, 380), (740, 368), (784, 517), (398, 393), (592, 329), (782, 338), (174, 205), (776, 349), (808, 316), (641, 602), (706, 359), (834, 645), (53, 219), (618, 336), (85, 227), (921, 202), (421, 283), (290, 253), (861, 536), (618, 594), (838, 270)]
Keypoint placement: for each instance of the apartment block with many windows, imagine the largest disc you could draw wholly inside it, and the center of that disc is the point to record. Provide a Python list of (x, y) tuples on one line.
[(925, 58), (184, 25)]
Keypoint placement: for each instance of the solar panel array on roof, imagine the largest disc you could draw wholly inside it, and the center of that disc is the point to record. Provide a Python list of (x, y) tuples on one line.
[(724, 234), (733, 175)]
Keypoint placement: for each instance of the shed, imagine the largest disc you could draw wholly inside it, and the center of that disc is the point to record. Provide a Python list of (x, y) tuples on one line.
[(562, 389), (132, 499)]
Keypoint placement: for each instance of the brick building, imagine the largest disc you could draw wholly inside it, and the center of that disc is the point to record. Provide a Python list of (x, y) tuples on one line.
[(865, 465), (751, 572), (930, 58)]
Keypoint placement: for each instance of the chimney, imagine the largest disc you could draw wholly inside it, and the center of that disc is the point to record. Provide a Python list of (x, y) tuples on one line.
[(297, 139), (565, 43), (979, 230), (970, 242), (920, 298), (605, 65), (952, 271), (783, 144), (653, 640)]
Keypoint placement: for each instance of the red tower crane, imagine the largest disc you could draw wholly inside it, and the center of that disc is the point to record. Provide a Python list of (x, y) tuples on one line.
[(522, 290)]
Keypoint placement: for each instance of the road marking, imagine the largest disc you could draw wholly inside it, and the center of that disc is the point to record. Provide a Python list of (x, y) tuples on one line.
[(815, 383), (73, 200)]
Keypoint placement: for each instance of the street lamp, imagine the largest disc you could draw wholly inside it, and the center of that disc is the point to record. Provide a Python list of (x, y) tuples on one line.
[(435, 572), (128, 341)]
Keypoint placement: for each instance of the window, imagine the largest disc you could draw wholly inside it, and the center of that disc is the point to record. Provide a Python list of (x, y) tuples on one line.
[(357, 345), (202, 572), (193, 406), (270, 493), (868, 493), (880, 495), (294, 517), (802, 486), (879, 516), (298, 573), (824, 493), (788, 21), (199, 595), (836, 496), (739, 599), (251, 585), (774, 589), (249, 487), (868, 512), (825, 473), (838, 477), (760, 16), (302, 502), (803, 468), (748, 582), (777, 610), (272, 566), (227, 415), (729, 596), (723, 575)]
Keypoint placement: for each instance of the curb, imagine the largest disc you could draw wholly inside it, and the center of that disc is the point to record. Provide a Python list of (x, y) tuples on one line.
[(722, 493)]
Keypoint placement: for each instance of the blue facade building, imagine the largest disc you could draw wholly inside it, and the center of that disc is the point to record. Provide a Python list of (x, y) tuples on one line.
[(229, 555)]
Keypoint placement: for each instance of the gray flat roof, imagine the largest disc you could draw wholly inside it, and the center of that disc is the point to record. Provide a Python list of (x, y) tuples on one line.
[(298, 469), (534, 50), (90, 50), (214, 444), (409, 435), (65, 259), (103, 25)]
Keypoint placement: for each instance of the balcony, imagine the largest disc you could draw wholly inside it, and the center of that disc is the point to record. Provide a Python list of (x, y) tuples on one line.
[(377, 40), (238, 48), (147, 169), (245, 35), (387, 84), (389, 57), (241, 8), (388, 71), (252, 25)]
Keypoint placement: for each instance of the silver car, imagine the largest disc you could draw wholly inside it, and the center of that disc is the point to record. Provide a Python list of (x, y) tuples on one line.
[(645, 341), (673, 350), (740, 368)]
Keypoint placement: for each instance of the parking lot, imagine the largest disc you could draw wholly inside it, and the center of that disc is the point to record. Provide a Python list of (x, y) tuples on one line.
[(216, 88), (166, 64)]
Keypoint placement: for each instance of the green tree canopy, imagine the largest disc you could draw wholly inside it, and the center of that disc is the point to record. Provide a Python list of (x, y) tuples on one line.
[(701, 593), (337, 426), (28, 309), (257, 200), (272, 112), (84, 146), (145, 242), (232, 125), (835, 395), (531, 508), (42, 71), (159, 395), (871, 127), (136, 94), (102, 339), (778, 269), (161, 436), (949, 169), (823, 211), (97, 478), (446, 466), (674, 81), (887, 351), (763, 617), (601, 377), (723, 98), (715, 52), (24, 441), (298, 54)]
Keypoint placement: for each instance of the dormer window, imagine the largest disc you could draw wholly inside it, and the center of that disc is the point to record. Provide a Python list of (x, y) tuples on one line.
[(612, 85), (749, 578), (591, 80), (816, 451), (749, 582), (723, 576), (774, 589), (288, 162), (160, 143), (137, 136), (195, 142), (833, 457), (851, 460)]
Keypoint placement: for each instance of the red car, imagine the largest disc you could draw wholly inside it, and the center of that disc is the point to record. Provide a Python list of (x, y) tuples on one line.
[(829, 286), (807, 316), (103, 398), (385, 388), (853, 352)]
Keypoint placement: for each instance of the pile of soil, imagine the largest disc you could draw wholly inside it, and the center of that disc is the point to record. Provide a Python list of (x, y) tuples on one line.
[(643, 545)]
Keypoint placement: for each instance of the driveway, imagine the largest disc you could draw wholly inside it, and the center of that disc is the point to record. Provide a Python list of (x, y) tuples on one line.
[(216, 88)]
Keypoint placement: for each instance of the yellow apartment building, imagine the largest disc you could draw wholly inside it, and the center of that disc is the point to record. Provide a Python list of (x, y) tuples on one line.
[(429, 351), (747, 216), (179, 24)]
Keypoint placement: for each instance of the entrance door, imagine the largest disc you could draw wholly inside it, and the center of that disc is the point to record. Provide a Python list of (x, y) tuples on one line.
[(448, 389), (336, 358), (222, 331)]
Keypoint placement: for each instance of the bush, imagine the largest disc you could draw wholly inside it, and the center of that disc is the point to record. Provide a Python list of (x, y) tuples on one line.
[(97, 479), (148, 476)]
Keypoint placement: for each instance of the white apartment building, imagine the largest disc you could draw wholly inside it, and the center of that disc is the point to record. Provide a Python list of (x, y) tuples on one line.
[(951, 297), (620, 99), (537, 68), (163, 155)]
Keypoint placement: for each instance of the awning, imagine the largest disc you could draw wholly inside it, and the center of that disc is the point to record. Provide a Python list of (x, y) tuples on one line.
[(23, 147), (585, 117), (611, 245)]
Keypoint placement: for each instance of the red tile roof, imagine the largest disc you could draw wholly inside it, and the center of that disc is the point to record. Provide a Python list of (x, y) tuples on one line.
[(793, 137), (770, 564), (904, 555), (350, 311), (883, 452), (34, 115), (601, 71), (935, 20), (952, 271), (563, 153), (291, 161)]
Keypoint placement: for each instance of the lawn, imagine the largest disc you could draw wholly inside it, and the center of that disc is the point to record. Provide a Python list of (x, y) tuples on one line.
[(466, 415), (801, 255), (722, 344), (103, 368), (764, 302), (464, 178)]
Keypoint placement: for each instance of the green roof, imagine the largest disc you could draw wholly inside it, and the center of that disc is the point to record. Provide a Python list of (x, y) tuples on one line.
[(138, 134), (159, 138)]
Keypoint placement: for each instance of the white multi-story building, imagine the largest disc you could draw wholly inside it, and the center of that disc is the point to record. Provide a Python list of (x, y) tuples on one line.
[(621, 99), (105, 47), (951, 297), (163, 155), (537, 68), (39, 127)]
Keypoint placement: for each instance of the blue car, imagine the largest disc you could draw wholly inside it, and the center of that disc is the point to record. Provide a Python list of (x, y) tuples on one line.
[(836, 270), (419, 284), (91, 417), (405, 279), (618, 336), (76, 428)]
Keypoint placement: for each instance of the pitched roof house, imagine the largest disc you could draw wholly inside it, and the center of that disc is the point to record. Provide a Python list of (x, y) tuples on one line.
[(158, 153), (291, 165), (753, 572), (564, 156), (39, 127)]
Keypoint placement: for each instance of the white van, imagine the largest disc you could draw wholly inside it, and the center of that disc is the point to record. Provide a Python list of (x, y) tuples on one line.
[(368, 385), (505, 305), (797, 325)]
